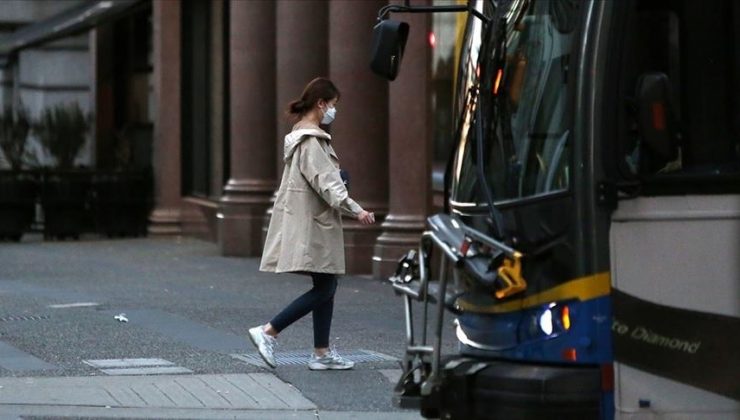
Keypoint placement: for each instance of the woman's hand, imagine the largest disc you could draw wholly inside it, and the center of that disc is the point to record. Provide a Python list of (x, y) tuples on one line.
[(366, 218)]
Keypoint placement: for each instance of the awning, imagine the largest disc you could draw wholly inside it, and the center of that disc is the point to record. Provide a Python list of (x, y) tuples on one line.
[(70, 22)]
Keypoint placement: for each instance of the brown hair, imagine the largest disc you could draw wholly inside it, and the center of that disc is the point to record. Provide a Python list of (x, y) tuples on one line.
[(317, 89)]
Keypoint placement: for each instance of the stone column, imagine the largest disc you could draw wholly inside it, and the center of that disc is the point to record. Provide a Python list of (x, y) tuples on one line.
[(217, 87), (410, 151), (252, 115), (165, 219), (301, 48), (360, 133)]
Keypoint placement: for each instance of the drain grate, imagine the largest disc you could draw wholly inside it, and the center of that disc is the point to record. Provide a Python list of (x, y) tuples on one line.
[(298, 358), (9, 318)]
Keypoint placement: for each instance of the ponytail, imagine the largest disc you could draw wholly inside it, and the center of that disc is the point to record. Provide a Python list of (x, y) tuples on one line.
[(318, 89), (296, 107)]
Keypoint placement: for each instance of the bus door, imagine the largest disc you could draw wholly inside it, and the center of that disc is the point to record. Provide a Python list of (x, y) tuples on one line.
[(675, 232)]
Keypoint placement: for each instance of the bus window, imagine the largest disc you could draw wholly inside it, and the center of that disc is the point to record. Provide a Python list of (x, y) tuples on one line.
[(528, 116), (696, 46)]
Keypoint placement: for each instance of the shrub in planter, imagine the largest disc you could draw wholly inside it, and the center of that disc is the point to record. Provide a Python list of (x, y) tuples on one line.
[(14, 128), (17, 188), (62, 131), (65, 197)]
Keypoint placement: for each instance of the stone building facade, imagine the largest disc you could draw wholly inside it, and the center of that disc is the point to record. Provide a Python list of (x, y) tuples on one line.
[(206, 85)]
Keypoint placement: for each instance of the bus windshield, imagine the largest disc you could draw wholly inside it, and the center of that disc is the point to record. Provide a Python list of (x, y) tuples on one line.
[(527, 114)]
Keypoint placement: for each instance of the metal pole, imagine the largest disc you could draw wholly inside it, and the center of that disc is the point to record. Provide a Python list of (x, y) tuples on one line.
[(424, 274)]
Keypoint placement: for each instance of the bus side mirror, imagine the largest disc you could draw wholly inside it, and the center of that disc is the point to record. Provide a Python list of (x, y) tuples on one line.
[(654, 116), (389, 41)]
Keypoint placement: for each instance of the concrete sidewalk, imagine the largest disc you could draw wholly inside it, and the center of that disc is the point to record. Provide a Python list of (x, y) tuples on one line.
[(237, 396)]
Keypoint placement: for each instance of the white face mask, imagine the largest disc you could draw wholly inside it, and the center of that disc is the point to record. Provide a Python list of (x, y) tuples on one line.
[(329, 116)]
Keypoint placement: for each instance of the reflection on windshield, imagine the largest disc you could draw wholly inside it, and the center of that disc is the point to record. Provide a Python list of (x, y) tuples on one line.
[(527, 144), (469, 58), (465, 106)]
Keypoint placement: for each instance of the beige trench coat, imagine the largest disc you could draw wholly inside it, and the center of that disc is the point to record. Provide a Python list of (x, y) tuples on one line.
[(305, 232)]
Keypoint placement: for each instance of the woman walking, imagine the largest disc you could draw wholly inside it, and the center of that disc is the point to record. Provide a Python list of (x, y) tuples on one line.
[(305, 234)]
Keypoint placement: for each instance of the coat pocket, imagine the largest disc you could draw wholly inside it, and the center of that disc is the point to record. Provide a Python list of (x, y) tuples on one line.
[(323, 238), (325, 219)]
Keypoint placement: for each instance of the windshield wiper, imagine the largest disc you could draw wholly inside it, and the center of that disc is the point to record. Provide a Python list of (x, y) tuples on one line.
[(499, 61)]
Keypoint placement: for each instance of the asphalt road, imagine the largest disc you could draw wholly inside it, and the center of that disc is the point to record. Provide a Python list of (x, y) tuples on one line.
[(191, 307)]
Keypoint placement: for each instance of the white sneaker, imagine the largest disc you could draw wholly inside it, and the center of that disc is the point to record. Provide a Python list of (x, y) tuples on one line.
[(330, 361), (265, 344)]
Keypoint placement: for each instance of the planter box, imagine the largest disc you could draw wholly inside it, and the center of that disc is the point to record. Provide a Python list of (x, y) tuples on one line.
[(65, 199), (123, 200), (18, 193)]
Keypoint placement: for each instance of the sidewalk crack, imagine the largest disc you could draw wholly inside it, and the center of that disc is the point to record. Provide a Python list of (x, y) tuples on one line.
[(113, 396), (165, 394), (146, 404), (257, 403), (270, 391), (216, 392), (188, 391)]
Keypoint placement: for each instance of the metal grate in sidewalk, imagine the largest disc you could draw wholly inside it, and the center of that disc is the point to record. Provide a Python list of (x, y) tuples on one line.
[(10, 318), (298, 358)]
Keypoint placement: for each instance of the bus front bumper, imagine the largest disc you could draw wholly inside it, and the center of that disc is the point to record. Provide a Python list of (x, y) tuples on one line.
[(474, 389)]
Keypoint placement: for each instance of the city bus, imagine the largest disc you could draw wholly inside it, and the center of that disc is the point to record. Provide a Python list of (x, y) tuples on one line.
[(588, 255)]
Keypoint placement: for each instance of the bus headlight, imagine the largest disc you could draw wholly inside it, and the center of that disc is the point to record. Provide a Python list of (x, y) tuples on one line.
[(546, 322), (553, 319)]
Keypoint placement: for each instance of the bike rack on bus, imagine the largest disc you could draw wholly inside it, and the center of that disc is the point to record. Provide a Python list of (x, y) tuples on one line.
[(417, 354), (446, 233)]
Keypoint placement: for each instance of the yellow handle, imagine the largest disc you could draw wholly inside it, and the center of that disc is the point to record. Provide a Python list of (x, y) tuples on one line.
[(510, 273)]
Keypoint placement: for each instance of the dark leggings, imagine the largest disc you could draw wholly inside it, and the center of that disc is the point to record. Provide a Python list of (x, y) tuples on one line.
[(320, 300)]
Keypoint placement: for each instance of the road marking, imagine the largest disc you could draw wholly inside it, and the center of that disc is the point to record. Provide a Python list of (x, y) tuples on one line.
[(166, 370), (124, 363), (137, 366), (53, 294), (73, 305), (14, 359), (192, 333), (393, 375)]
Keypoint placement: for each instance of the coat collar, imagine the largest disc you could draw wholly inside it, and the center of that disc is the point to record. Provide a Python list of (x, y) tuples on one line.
[(295, 137)]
